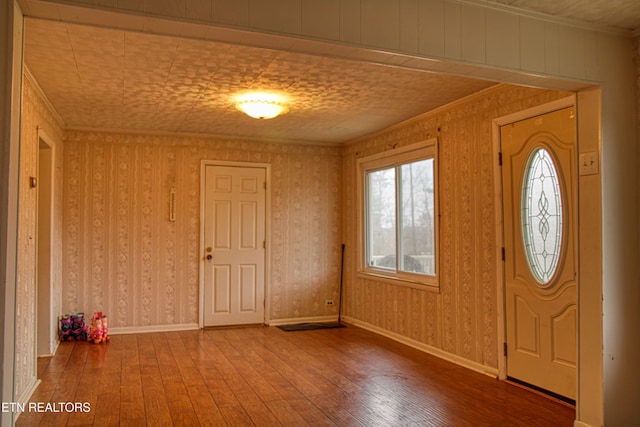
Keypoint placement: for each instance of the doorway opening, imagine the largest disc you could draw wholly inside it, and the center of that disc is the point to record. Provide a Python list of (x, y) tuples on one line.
[(46, 336)]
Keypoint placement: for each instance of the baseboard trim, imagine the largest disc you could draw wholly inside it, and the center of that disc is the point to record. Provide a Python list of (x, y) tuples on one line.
[(123, 330), (23, 400), (53, 351), (434, 351), (297, 320)]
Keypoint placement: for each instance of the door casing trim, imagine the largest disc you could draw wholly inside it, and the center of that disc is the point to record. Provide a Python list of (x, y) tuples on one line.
[(52, 341)]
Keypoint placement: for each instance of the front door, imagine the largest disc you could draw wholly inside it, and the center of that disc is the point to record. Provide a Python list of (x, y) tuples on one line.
[(233, 255), (539, 205)]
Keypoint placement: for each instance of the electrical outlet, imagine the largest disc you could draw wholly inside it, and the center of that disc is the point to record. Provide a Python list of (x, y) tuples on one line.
[(329, 303)]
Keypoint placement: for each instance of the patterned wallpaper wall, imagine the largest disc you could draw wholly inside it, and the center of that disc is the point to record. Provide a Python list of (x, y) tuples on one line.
[(461, 319), (35, 114), (123, 256)]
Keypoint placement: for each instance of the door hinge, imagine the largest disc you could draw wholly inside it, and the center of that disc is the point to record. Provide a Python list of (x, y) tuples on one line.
[(504, 254), (505, 349), (500, 158), (264, 244), (264, 184)]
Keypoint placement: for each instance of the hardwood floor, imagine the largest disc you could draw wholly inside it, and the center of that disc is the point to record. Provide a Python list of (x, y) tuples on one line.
[(266, 377)]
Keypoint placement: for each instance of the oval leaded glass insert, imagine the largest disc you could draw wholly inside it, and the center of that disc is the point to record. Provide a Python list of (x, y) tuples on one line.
[(542, 215)]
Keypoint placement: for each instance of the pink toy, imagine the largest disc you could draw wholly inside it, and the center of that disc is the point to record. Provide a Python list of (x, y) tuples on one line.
[(99, 331)]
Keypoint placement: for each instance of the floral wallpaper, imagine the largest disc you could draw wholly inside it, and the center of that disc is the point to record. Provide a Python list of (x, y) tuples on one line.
[(124, 257), (35, 114), (460, 319)]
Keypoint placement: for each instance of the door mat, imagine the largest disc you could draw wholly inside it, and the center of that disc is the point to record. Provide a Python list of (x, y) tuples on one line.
[(310, 326)]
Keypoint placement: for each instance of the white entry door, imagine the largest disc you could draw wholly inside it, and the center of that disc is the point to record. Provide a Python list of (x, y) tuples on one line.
[(233, 255), (539, 208)]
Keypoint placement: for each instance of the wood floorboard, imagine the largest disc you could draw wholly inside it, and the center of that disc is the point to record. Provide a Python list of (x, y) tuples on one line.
[(131, 402), (262, 376)]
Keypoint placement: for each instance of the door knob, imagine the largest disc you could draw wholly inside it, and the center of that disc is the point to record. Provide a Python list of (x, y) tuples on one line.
[(209, 257)]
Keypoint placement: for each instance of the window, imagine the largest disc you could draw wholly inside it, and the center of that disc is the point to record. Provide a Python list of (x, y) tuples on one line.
[(542, 216), (399, 214)]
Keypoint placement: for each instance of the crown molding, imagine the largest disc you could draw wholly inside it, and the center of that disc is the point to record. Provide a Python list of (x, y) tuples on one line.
[(36, 86), (201, 136)]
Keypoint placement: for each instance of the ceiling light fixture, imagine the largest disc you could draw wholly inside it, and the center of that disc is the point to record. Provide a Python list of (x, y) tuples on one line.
[(260, 105)]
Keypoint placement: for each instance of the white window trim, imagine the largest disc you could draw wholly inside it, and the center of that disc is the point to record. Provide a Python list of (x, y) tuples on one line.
[(391, 158)]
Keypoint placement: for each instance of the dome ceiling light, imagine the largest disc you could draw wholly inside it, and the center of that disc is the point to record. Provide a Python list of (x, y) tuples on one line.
[(261, 105)]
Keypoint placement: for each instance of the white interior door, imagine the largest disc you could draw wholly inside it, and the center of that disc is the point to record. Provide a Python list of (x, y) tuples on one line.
[(539, 199), (234, 245)]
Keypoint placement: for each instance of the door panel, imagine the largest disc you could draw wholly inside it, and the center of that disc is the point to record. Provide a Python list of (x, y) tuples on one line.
[(540, 260), (234, 254), (222, 226), (527, 328), (248, 225), (248, 287), (564, 346)]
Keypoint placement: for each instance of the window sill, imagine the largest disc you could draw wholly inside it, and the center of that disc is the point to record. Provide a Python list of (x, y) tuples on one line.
[(398, 281)]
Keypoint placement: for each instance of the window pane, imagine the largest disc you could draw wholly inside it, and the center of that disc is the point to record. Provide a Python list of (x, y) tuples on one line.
[(416, 228), (542, 216), (381, 218)]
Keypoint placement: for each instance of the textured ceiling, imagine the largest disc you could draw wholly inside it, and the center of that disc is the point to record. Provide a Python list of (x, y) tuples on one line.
[(113, 79), (116, 79), (623, 14)]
